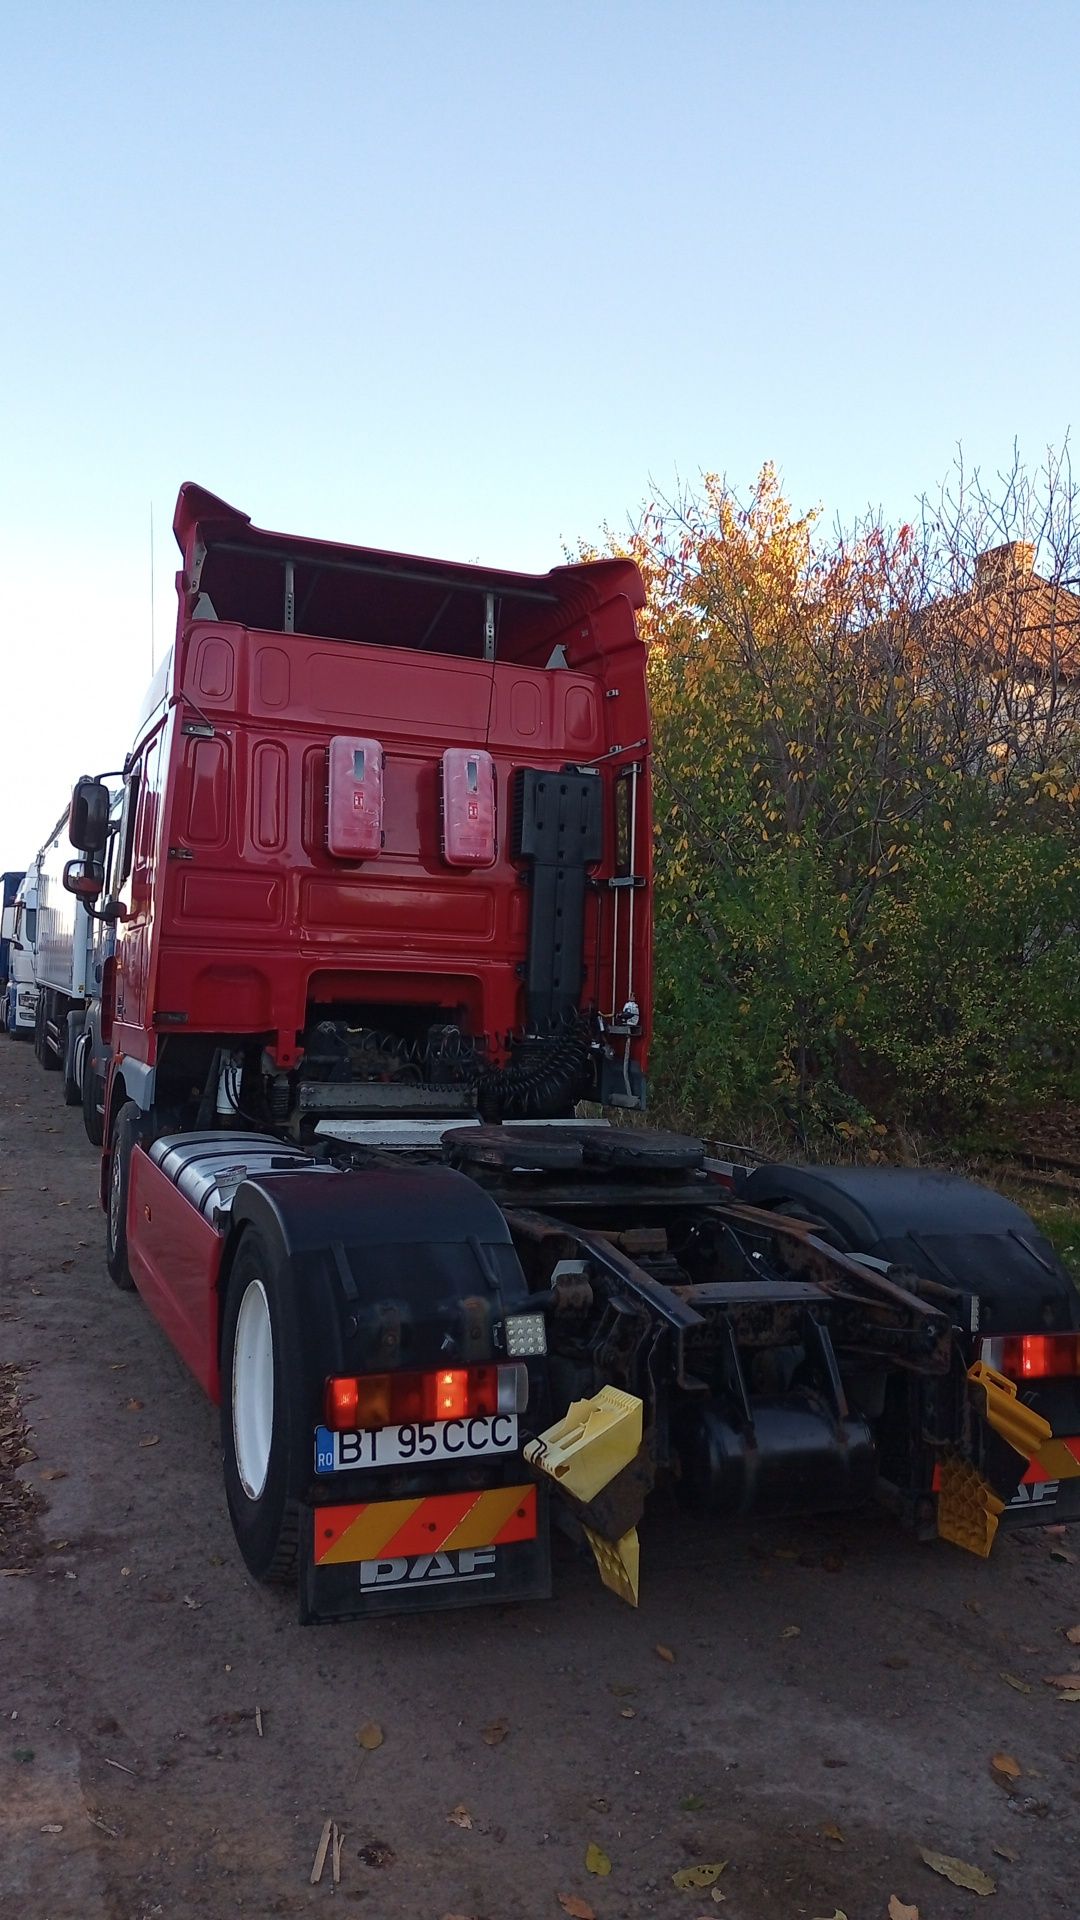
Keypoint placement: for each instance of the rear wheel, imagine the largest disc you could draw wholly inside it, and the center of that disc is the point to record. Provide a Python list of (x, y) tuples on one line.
[(72, 1090), (125, 1135), (262, 1412), (93, 1102), (44, 1052)]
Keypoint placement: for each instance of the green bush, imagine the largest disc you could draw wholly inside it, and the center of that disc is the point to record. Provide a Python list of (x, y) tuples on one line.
[(867, 788)]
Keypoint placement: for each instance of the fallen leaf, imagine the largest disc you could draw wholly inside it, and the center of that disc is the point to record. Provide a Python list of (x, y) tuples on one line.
[(370, 1736), (627, 1713), (791, 1633), (1069, 1693), (666, 1654), (1006, 1853), (1005, 1765), (1072, 1635), (577, 1908), (134, 1406), (52, 1826), (460, 1817), (1011, 1680), (596, 1861), (1061, 1679), (838, 1915), (959, 1872), (898, 1910), (191, 1602), (832, 1832), (717, 1895), (53, 1473), (496, 1733), (151, 1440), (689, 1879), (1062, 1553)]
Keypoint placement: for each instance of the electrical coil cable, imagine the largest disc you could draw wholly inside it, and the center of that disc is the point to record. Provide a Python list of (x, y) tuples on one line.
[(543, 1086)]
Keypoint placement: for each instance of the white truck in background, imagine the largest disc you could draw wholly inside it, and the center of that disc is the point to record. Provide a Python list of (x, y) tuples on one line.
[(73, 943), (19, 1006)]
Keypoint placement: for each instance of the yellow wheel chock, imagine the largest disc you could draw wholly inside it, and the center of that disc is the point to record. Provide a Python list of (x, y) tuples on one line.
[(618, 1563), (583, 1453), (595, 1440), (1024, 1430), (968, 1508)]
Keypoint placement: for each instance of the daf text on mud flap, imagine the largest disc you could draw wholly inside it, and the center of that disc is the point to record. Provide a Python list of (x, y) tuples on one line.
[(470, 1563)]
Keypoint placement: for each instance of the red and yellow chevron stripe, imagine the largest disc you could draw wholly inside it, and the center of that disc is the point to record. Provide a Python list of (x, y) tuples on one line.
[(392, 1529), (1057, 1460)]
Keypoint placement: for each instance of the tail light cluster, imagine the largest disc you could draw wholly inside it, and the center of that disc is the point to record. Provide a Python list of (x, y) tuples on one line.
[(1034, 1356), (402, 1399)]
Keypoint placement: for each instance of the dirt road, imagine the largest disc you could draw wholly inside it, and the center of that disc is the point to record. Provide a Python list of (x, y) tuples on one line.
[(835, 1698)]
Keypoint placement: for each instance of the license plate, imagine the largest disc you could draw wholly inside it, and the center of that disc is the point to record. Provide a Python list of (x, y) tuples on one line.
[(419, 1442)]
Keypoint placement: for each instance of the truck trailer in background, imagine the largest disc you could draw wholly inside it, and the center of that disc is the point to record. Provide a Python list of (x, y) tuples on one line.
[(19, 1006), (73, 942), (9, 887)]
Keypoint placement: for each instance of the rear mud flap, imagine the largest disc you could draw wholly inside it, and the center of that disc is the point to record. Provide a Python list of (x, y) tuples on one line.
[(514, 1564)]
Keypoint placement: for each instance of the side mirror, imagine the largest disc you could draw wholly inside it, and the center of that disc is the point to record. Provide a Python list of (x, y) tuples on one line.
[(81, 879), (88, 817)]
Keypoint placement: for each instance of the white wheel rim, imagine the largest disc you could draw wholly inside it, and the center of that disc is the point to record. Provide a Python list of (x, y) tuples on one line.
[(253, 1389)]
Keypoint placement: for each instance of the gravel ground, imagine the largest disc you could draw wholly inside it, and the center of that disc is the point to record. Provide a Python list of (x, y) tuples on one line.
[(833, 1703)]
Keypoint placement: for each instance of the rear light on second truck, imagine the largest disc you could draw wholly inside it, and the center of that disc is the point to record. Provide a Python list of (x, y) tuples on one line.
[(1034, 1356), (401, 1399)]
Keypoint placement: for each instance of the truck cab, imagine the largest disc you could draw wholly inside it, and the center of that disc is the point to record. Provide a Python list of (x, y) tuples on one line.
[(385, 841)]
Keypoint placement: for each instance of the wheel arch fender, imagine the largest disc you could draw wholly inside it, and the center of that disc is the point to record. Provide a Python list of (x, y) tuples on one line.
[(939, 1225), (386, 1267)]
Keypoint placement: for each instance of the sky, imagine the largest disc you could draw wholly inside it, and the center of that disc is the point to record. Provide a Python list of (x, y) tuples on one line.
[(475, 279)]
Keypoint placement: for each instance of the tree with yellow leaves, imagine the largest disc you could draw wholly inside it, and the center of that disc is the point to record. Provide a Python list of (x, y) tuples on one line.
[(867, 791)]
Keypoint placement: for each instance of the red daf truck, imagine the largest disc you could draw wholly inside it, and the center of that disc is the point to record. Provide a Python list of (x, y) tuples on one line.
[(381, 898)]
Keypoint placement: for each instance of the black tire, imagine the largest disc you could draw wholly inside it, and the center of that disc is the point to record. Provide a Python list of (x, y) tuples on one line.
[(127, 1130), (266, 1520), (93, 1100), (44, 1052), (72, 1089)]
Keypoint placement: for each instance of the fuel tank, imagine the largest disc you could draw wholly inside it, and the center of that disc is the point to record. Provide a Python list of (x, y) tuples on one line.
[(795, 1457)]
